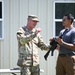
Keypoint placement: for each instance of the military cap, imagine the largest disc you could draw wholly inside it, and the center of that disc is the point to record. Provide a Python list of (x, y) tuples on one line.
[(33, 17)]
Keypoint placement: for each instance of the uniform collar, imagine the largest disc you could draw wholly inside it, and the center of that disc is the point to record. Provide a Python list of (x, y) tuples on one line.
[(33, 30)]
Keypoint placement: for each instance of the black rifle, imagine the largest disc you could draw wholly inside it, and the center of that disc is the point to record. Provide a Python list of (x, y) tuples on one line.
[(53, 45)]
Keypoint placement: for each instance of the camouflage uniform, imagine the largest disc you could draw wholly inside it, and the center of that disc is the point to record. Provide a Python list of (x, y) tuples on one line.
[(28, 44)]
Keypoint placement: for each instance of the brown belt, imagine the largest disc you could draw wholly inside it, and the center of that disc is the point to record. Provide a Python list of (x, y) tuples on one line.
[(64, 55)]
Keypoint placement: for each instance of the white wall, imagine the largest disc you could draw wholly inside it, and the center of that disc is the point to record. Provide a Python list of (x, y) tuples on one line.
[(15, 16)]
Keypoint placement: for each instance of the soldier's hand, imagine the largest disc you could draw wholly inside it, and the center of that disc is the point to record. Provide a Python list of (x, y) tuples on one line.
[(38, 30), (51, 39)]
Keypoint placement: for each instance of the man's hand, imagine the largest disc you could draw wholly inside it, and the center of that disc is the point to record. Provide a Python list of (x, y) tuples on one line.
[(58, 47), (59, 40)]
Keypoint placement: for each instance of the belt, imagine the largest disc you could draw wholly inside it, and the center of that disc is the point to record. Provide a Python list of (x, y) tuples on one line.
[(64, 55)]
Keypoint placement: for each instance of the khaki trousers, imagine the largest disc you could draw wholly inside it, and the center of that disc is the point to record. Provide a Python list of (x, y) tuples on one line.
[(65, 65)]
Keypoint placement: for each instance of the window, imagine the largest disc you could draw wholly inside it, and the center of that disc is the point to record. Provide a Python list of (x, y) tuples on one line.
[(60, 9), (1, 20)]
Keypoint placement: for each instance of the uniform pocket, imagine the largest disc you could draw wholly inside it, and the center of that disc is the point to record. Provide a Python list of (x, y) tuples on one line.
[(20, 62)]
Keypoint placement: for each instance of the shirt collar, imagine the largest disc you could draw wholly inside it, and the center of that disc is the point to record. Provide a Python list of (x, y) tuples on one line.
[(69, 28)]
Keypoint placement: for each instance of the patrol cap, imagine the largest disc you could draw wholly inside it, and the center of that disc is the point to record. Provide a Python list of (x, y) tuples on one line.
[(33, 17)]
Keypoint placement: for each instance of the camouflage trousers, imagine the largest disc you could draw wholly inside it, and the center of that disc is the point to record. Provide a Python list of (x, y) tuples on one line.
[(34, 70)]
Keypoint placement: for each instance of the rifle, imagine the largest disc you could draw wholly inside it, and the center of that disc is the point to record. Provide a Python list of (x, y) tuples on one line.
[(52, 48), (53, 45)]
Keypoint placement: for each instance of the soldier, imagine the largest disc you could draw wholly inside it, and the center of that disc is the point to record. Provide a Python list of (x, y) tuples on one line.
[(29, 40)]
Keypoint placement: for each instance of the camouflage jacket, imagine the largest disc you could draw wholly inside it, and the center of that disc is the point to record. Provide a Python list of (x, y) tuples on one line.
[(28, 44)]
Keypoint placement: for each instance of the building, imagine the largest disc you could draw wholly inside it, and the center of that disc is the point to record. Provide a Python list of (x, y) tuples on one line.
[(13, 14)]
